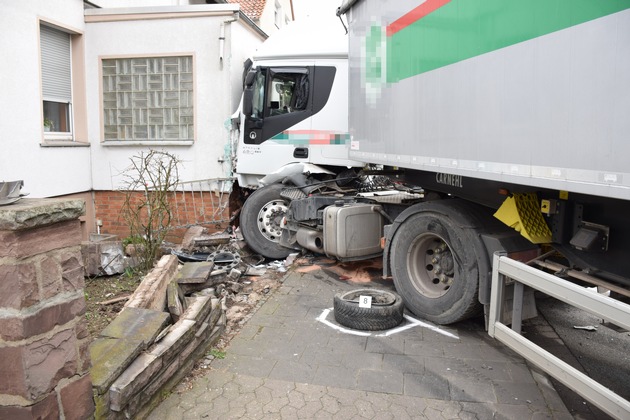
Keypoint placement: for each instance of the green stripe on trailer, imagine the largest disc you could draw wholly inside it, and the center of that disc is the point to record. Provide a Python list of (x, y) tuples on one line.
[(461, 29)]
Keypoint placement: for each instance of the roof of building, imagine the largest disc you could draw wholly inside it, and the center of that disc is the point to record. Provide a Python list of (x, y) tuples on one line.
[(252, 8)]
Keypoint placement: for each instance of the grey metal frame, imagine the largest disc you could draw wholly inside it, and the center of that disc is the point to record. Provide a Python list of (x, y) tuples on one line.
[(609, 309)]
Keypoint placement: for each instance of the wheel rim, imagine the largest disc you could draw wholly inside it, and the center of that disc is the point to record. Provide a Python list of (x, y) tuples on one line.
[(270, 218), (431, 265), (379, 297)]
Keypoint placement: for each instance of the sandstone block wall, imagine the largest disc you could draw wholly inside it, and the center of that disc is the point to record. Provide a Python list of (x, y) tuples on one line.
[(44, 347)]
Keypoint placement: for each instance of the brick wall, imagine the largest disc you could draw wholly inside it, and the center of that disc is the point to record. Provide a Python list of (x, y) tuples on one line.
[(44, 356), (188, 208)]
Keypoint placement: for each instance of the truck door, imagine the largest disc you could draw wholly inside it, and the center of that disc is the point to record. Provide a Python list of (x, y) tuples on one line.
[(275, 100)]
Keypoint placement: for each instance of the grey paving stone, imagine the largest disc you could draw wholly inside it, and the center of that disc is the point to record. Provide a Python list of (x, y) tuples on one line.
[(320, 300), (518, 393), (491, 370), (274, 320), (423, 348), (385, 345), (357, 361), (245, 365), (244, 347), (403, 363), (336, 376), (248, 331), (427, 385), (346, 343), (472, 390), (448, 367), (269, 308), (380, 381), (322, 355), (273, 334), (477, 351), (318, 334), (293, 311), (520, 372), (292, 371), (283, 351)]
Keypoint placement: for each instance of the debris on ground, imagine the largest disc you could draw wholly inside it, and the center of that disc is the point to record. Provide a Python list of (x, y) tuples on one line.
[(217, 266), (585, 327)]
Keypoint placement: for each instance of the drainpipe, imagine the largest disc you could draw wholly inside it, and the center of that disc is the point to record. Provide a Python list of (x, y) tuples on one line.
[(222, 37)]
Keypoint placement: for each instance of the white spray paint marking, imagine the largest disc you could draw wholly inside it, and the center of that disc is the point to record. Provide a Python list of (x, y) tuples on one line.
[(323, 320), (412, 323)]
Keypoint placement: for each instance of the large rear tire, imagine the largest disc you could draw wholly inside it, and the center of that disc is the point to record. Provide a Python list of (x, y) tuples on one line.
[(260, 220), (435, 267)]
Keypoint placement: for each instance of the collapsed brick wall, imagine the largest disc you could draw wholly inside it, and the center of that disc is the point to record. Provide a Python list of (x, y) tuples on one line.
[(44, 356), (189, 208)]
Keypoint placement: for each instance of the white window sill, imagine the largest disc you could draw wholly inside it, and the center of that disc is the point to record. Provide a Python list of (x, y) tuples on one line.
[(116, 143), (63, 143)]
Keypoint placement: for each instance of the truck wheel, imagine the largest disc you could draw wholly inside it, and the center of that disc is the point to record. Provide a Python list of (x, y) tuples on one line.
[(434, 266), (386, 311), (260, 221)]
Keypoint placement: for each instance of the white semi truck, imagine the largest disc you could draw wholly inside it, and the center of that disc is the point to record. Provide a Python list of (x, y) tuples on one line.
[(473, 126)]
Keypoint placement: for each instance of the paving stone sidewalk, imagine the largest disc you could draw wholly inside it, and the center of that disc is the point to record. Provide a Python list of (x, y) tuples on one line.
[(291, 360)]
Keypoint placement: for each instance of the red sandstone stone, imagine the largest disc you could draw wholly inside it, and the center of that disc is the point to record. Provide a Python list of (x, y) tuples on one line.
[(47, 408), (72, 271), (18, 285), (76, 399), (73, 279), (11, 329), (51, 277), (12, 368), (85, 363), (29, 242), (47, 318), (48, 361)]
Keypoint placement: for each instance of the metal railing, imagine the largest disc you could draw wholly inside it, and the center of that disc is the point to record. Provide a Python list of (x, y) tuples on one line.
[(201, 202), (604, 307)]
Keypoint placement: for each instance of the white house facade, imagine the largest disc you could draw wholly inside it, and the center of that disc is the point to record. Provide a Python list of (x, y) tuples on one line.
[(86, 88)]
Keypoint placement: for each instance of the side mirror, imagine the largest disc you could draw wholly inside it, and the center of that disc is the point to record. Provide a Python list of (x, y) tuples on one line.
[(248, 97), (249, 78)]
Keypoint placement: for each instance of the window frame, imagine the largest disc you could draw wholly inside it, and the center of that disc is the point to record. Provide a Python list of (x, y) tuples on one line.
[(53, 135)]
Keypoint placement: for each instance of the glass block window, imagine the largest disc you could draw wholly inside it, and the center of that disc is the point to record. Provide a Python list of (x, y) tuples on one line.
[(148, 99)]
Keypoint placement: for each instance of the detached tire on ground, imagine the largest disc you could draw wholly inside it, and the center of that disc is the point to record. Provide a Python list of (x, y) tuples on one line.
[(386, 311)]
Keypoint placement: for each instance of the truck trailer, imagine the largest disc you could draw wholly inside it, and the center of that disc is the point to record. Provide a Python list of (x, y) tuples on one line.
[(473, 127)]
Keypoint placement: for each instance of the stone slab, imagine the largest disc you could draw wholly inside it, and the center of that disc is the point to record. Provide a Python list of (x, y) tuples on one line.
[(133, 380), (138, 324), (220, 238), (30, 212), (151, 293), (178, 337), (110, 357), (195, 272), (175, 301), (198, 308)]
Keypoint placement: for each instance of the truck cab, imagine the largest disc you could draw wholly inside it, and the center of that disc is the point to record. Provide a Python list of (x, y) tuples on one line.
[(294, 107)]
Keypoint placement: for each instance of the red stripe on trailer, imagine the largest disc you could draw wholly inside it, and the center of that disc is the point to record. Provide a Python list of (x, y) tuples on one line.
[(416, 14)]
